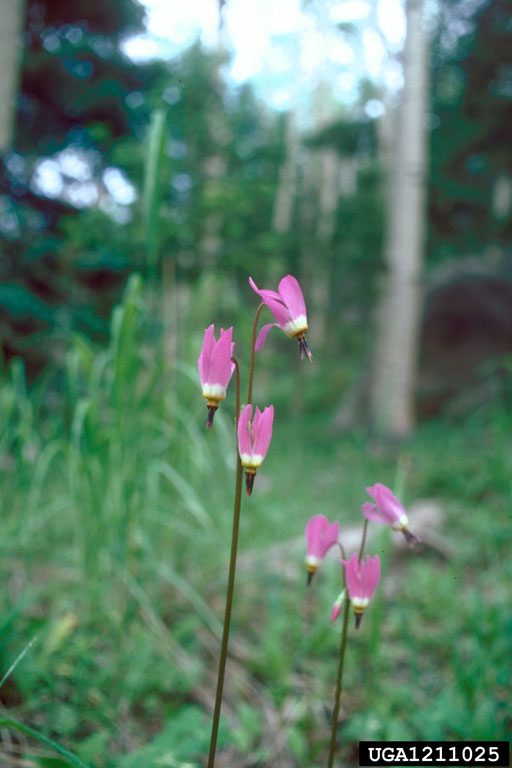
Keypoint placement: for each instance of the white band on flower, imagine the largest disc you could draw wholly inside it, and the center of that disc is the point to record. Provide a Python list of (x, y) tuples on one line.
[(215, 391), (251, 461), (297, 325), (402, 522)]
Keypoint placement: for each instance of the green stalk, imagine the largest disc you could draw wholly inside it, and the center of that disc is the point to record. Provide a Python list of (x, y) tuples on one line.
[(339, 683), (230, 590), (253, 352), (232, 557), (339, 676)]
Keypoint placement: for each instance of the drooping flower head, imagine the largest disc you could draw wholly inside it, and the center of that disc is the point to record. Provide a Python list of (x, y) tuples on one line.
[(320, 537), (362, 579), (215, 368), (289, 309), (254, 440), (387, 510)]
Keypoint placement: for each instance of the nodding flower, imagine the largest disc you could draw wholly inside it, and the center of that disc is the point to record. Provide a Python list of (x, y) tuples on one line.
[(215, 368), (253, 440), (320, 537), (289, 310), (387, 510), (362, 579)]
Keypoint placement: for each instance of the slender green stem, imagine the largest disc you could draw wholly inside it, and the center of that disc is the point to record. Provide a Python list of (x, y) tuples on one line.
[(237, 375), (363, 540), (253, 351), (339, 683), (339, 678), (230, 590)]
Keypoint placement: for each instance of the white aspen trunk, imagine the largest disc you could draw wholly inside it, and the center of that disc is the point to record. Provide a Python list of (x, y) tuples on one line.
[(10, 56), (394, 379), (285, 197)]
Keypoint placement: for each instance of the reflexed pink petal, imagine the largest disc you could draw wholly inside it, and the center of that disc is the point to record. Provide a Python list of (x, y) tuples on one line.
[(330, 537), (221, 367), (263, 431), (244, 438), (274, 302), (291, 294), (314, 531), (371, 512), (336, 610), (372, 575), (203, 362), (388, 502), (262, 335), (352, 576), (264, 293)]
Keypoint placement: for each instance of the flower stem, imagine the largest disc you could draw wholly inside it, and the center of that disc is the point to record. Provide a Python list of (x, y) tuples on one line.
[(339, 681), (230, 590), (253, 351), (339, 678), (363, 541)]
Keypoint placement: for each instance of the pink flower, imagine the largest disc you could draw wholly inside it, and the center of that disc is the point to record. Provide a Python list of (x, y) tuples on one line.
[(362, 579), (289, 310), (388, 510), (254, 440), (215, 368), (320, 537)]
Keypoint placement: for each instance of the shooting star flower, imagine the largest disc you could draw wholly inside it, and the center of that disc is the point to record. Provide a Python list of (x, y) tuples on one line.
[(387, 510), (215, 368), (253, 440), (362, 580), (320, 537), (289, 309)]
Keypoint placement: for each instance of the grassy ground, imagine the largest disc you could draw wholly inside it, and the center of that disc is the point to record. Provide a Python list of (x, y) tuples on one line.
[(116, 522)]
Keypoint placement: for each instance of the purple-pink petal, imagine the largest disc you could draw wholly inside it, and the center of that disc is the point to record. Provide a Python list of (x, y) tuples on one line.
[(221, 366), (262, 335), (314, 530), (263, 431), (330, 537), (274, 302), (244, 438), (320, 536), (203, 362), (371, 512), (371, 576), (388, 502), (291, 295), (353, 577)]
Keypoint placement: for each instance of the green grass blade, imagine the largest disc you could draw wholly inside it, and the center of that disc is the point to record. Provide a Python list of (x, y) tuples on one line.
[(8, 722)]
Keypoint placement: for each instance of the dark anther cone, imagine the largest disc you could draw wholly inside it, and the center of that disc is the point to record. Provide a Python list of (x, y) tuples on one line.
[(211, 414), (304, 349), (249, 481), (359, 616), (411, 539), (310, 577)]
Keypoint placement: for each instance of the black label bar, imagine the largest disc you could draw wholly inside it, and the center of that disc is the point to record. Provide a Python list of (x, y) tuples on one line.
[(441, 754)]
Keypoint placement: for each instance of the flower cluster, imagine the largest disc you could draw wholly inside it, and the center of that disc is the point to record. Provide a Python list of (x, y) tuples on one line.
[(216, 365), (361, 576)]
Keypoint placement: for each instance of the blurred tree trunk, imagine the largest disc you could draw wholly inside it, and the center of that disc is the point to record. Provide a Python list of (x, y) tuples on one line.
[(283, 205), (10, 56), (399, 316)]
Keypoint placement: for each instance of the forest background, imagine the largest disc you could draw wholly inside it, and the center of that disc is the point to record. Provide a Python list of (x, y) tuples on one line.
[(135, 201)]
